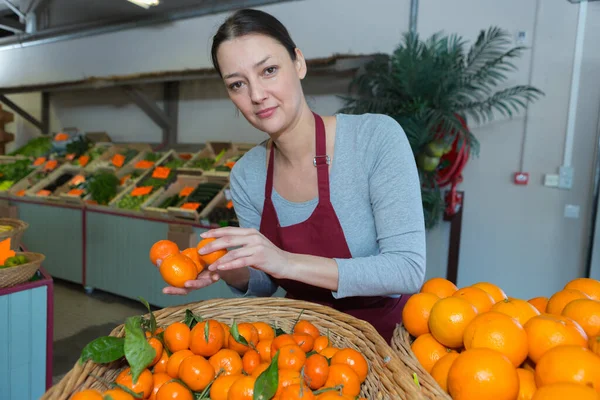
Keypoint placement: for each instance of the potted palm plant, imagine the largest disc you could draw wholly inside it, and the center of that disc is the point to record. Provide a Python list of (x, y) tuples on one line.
[(433, 88)]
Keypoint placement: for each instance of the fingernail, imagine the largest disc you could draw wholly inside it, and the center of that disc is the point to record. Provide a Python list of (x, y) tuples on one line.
[(204, 235), (158, 262), (201, 251)]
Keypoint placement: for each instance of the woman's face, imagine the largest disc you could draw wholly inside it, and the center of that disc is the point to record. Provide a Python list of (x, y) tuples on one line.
[(263, 81)]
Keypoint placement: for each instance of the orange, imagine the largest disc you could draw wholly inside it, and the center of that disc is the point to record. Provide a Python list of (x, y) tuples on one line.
[(175, 361), (262, 367), (428, 350), (250, 361), (287, 378), (483, 374), (540, 303), (174, 390), (177, 269), (159, 379), (440, 370), (320, 343), (493, 290), (589, 286), (161, 365), (88, 394), (211, 257), (227, 360), (291, 357), (220, 387), (527, 385), (118, 394), (482, 301), (316, 371), (192, 254), (248, 332), (342, 374), (196, 373), (518, 309), (334, 395), (586, 312), (306, 342), (329, 352), (560, 299), (226, 331), (440, 287), (355, 360), (545, 332), (200, 345), (296, 392), (265, 331), (158, 348), (280, 341), (177, 337), (263, 347), (497, 331), (415, 315), (162, 249), (574, 364), (304, 326), (144, 383), (448, 319), (564, 391), (594, 344), (242, 389)]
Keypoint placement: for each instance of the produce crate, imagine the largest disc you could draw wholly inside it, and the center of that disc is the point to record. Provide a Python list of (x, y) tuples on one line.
[(193, 209), (66, 173), (13, 170), (19, 189), (223, 213), (195, 165), (78, 195), (388, 377), (227, 154), (401, 342), (109, 159), (152, 206), (94, 157), (40, 146)]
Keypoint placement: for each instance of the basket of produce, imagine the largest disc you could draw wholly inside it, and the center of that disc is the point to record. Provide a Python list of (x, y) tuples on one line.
[(243, 348), (19, 268), (452, 337), (12, 228)]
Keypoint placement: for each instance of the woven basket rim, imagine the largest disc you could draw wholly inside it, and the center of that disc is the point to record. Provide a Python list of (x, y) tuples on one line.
[(17, 223), (27, 270)]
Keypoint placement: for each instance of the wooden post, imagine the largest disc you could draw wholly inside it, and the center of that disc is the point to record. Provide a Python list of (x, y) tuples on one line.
[(5, 137)]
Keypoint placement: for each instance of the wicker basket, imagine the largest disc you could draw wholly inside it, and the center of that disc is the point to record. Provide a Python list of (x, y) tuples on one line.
[(388, 379), (12, 276), (401, 342), (16, 234)]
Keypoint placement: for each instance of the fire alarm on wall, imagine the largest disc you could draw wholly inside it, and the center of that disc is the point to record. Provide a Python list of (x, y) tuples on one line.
[(521, 178)]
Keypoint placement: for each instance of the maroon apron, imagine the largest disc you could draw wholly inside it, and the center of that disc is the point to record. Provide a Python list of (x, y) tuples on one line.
[(321, 235)]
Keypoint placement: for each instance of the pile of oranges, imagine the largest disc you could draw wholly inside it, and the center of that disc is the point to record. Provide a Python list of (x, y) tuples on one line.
[(178, 267), (188, 366), (478, 343)]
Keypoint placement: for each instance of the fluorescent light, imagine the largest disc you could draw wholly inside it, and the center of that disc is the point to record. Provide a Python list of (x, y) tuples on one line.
[(145, 3)]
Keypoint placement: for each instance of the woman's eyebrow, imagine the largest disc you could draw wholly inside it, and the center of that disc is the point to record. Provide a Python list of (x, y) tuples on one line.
[(237, 74)]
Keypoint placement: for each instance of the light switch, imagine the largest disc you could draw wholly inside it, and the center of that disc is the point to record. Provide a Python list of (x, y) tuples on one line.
[(571, 211)]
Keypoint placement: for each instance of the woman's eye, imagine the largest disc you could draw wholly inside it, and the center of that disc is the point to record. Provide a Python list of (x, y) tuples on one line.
[(270, 70), (235, 85)]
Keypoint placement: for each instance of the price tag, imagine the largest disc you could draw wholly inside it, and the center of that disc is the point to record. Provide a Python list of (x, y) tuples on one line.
[(124, 179), (228, 194), (141, 191), (61, 137), (21, 193), (77, 180), (185, 156), (44, 193), (144, 164), (91, 202), (191, 206), (83, 160), (186, 191), (70, 157), (230, 164), (39, 161), (50, 165), (230, 205), (75, 192), (161, 172), (118, 160)]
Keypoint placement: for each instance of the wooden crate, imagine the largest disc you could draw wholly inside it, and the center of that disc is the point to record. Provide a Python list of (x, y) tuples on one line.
[(55, 196), (151, 206), (96, 163), (11, 160), (188, 167), (106, 161), (75, 199), (194, 215), (225, 151), (19, 189)]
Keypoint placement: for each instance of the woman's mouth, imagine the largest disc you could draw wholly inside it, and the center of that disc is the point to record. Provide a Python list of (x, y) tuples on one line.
[(266, 113)]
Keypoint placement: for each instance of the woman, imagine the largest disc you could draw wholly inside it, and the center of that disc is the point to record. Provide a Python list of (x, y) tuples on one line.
[(329, 207)]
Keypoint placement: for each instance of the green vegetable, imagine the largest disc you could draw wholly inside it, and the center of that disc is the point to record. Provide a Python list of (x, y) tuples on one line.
[(103, 187), (129, 202), (153, 156), (13, 172), (174, 164), (205, 163), (78, 146), (37, 147), (171, 201)]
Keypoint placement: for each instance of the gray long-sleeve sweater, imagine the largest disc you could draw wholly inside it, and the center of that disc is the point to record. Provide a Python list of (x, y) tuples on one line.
[(376, 195)]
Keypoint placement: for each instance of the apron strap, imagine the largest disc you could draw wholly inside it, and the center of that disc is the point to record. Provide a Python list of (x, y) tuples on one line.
[(269, 183), (321, 160)]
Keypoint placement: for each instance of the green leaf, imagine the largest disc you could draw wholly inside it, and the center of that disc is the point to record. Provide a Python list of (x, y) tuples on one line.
[(266, 384), (235, 333), (138, 352), (191, 319), (311, 353), (137, 395), (416, 380), (152, 326), (103, 350), (206, 331)]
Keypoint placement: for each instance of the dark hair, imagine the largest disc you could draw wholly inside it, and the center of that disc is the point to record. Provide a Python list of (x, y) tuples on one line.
[(248, 21)]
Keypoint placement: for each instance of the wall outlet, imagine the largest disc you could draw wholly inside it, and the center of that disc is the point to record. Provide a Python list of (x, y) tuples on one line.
[(565, 177), (551, 180), (521, 38), (571, 211)]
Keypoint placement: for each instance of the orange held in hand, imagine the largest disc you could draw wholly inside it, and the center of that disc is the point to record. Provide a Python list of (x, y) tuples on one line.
[(162, 249), (177, 269), (192, 253), (211, 257)]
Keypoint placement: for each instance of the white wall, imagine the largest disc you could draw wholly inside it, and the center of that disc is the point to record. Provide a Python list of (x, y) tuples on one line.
[(512, 235)]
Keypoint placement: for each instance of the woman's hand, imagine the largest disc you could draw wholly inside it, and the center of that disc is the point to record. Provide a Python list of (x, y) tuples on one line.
[(204, 279), (253, 249)]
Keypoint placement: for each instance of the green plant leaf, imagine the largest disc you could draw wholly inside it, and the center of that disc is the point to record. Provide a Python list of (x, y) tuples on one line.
[(152, 325), (103, 350), (191, 319), (235, 333), (138, 352), (266, 384), (137, 395), (206, 331)]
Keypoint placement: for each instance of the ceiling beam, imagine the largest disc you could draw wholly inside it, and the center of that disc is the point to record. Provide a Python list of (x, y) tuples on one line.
[(11, 25), (37, 5), (14, 8), (21, 112)]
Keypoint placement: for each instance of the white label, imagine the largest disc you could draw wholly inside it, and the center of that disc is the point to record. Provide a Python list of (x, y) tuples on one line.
[(228, 194)]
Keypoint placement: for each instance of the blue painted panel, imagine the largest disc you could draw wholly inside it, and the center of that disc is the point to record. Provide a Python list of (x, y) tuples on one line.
[(23, 344)]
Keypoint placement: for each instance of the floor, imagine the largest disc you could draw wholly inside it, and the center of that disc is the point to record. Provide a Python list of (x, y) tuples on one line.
[(80, 318)]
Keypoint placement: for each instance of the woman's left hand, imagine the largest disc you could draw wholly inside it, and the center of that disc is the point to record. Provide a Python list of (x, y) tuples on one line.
[(255, 250)]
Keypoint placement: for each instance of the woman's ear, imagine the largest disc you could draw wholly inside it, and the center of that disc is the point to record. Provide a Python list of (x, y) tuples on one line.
[(300, 64)]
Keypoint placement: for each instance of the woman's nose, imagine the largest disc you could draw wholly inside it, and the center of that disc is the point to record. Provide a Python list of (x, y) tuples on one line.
[(257, 93)]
